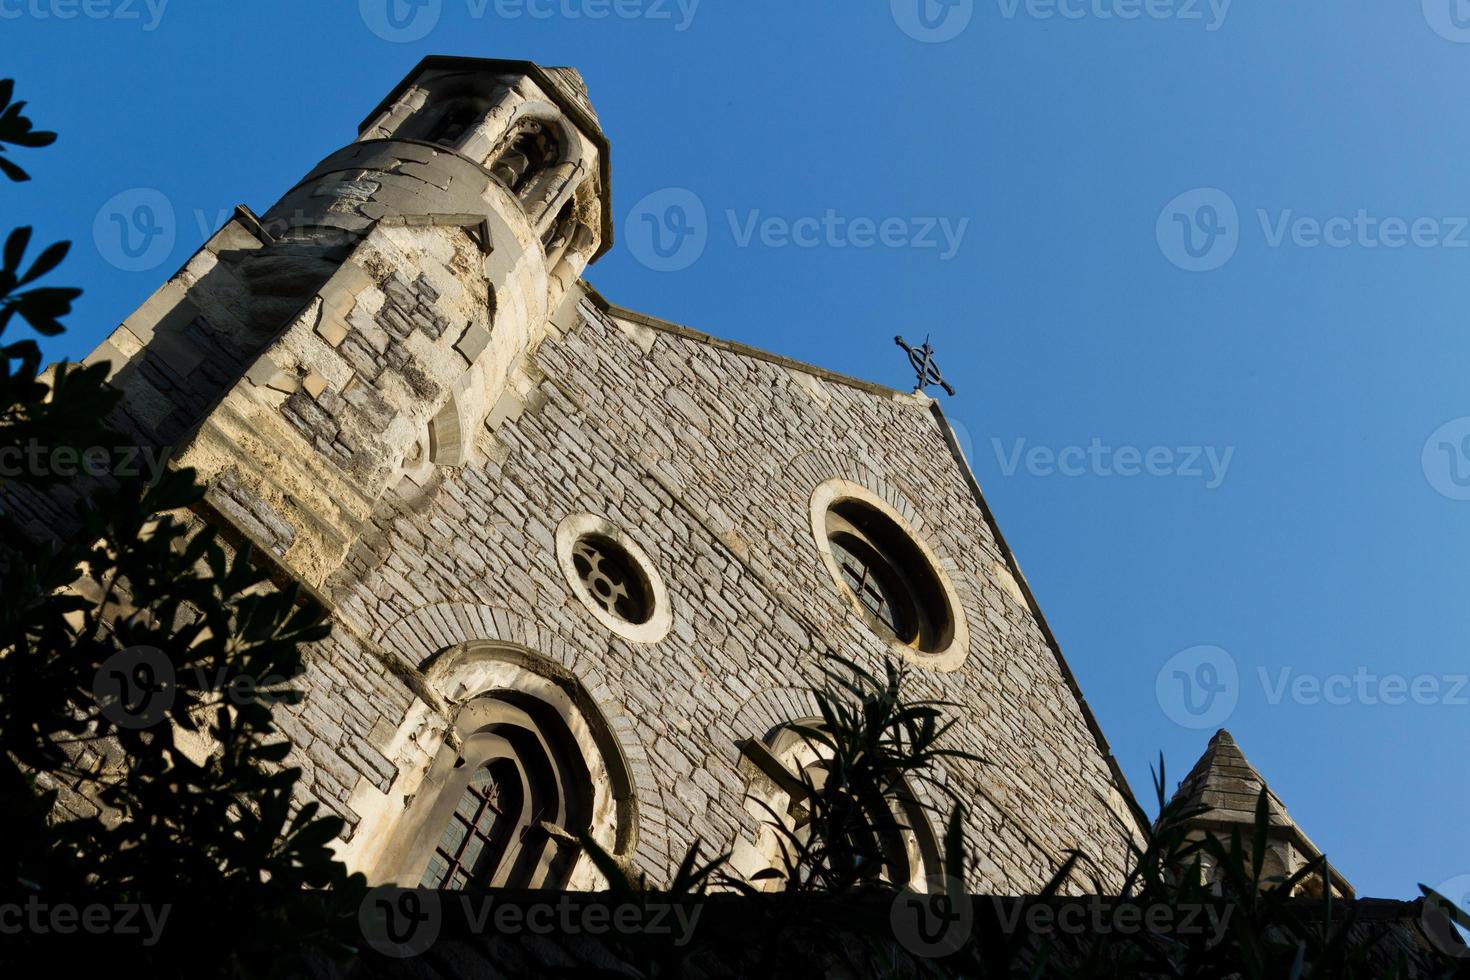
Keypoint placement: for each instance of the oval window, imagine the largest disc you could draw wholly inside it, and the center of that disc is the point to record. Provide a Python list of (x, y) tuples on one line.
[(889, 576)]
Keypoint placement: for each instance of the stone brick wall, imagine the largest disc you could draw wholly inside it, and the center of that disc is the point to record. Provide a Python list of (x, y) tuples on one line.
[(707, 456)]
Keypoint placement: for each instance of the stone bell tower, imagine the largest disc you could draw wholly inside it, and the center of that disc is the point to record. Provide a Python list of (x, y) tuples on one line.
[(352, 340)]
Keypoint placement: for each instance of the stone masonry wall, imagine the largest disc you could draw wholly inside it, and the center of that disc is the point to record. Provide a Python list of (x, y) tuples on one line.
[(707, 456)]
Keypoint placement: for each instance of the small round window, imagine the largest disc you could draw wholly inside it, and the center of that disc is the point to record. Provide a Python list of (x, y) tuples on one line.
[(613, 578), (890, 578)]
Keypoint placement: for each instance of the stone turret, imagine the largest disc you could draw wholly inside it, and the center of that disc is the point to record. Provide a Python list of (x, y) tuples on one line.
[(351, 342), (1230, 786)]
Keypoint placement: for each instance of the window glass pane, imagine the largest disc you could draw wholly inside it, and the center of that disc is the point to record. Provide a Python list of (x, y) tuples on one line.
[(469, 804), (472, 851), (434, 873), (867, 582), (453, 835)]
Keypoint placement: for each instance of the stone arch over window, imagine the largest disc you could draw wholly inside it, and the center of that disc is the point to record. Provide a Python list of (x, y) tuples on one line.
[(539, 158), (782, 770), (527, 764), (532, 147)]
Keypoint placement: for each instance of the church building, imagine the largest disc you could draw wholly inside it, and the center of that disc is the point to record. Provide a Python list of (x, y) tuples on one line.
[(582, 564)]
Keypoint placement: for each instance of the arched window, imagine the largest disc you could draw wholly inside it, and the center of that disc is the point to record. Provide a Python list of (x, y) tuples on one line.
[(526, 766), (445, 120), (531, 150), (483, 830), (522, 792), (457, 119), (891, 840)]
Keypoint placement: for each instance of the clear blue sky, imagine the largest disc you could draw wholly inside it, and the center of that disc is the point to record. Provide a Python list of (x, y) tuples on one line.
[(1335, 543)]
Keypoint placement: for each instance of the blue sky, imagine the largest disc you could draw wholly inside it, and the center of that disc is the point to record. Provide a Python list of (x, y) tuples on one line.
[(1222, 248)]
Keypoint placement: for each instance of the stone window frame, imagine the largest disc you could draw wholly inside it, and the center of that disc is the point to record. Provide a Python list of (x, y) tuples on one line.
[(660, 619), (483, 683), (952, 655), (551, 185)]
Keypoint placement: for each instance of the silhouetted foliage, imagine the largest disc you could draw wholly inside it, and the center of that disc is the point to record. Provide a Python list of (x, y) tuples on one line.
[(139, 661)]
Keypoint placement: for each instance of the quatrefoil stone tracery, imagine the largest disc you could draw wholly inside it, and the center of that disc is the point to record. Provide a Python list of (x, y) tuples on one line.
[(613, 578), (603, 579)]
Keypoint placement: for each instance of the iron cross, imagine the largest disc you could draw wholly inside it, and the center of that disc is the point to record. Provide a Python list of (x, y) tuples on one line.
[(922, 359)]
